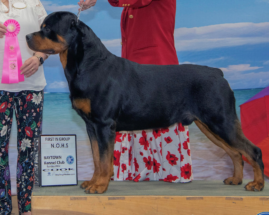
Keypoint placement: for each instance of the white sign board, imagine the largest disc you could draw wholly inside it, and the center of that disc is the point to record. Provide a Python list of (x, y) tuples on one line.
[(58, 160)]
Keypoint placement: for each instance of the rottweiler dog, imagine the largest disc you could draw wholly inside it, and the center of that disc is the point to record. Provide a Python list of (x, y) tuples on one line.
[(113, 94)]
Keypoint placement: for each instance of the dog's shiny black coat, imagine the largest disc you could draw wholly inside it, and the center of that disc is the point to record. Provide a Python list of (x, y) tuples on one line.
[(125, 95), (135, 96)]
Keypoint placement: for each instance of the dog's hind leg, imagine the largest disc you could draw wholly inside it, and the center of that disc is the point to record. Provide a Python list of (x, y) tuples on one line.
[(238, 144), (254, 156), (102, 142), (236, 157)]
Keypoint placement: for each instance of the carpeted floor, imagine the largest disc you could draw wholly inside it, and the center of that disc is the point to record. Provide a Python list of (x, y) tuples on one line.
[(158, 188)]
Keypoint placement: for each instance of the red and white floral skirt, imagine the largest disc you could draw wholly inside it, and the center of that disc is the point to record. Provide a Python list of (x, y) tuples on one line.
[(153, 155)]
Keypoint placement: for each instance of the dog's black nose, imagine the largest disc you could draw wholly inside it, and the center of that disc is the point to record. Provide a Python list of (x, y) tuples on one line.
[(28, 37)]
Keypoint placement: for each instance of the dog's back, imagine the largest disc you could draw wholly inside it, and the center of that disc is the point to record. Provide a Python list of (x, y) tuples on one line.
[(166, 94)]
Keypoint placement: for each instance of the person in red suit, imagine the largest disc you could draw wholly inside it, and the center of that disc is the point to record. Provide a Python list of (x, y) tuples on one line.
[(147, 32)]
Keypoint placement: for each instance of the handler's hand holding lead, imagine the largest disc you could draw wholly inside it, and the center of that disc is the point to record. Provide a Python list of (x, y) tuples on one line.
[(3, 30), (30, 66), (86, 4)]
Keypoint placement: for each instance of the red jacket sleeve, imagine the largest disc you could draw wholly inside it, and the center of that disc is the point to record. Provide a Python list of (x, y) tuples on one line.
[(129, 3)]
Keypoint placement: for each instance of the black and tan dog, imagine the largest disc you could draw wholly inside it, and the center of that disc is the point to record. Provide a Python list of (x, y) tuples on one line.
[(112, 94)]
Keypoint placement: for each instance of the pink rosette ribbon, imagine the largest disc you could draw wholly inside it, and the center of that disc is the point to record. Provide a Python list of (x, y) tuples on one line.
[(12, 54)]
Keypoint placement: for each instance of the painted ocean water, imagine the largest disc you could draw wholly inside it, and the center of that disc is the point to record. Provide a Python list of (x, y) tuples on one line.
[(209, 161)]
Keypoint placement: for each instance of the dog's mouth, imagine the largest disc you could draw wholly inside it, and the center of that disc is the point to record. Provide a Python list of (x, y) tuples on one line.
[(47, 51), (45, 45)]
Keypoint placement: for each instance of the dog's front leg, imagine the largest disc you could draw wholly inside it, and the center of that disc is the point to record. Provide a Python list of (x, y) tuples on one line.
[(102, 141)]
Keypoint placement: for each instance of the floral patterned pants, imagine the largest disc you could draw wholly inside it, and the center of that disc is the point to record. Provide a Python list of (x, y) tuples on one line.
[(28, 107)]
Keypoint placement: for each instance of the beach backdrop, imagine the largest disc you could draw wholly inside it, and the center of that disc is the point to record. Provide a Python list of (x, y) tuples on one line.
[(231, 35)]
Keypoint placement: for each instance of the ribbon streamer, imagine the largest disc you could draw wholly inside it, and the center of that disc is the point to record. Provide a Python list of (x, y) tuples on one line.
[(12, 54)]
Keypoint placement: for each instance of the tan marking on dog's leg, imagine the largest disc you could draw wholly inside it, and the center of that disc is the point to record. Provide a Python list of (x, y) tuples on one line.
[(102, 181), (44, 25), (103, 170), (63, 58), (233, 153), (83, 104), (96, 162), (258, 183)]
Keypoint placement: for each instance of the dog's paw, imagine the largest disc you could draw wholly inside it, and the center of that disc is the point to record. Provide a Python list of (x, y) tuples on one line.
[(254, 186), (96, 189), (86, 184), (232, 181)]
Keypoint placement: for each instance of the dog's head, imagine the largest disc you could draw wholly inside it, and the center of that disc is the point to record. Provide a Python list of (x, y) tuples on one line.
[(56, 33)]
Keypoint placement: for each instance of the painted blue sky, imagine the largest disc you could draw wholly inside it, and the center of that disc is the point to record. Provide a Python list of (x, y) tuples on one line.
[(232, 35)]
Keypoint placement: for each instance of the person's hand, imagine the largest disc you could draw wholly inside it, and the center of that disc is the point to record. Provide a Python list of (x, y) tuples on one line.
[(87, 4), (3, 30), (30, 66)]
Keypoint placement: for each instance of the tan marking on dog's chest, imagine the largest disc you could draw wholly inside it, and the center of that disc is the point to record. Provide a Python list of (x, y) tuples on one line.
[(63, 58), (83, 104)]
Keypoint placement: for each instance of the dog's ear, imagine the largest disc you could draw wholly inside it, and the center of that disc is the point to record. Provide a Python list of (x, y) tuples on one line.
[(80, 28), (76, 24), (73, 23)]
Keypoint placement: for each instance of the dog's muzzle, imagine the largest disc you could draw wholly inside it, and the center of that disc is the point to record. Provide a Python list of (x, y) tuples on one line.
[(29, 37)]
